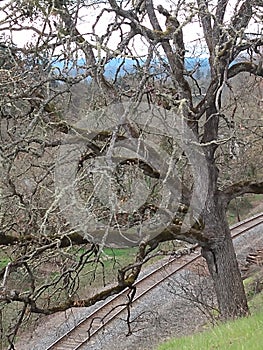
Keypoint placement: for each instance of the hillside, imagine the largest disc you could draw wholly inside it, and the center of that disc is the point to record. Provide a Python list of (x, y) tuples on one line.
[(245, 333)]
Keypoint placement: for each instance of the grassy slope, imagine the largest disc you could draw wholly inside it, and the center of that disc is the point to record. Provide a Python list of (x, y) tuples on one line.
[(242, 334), (246, 333)]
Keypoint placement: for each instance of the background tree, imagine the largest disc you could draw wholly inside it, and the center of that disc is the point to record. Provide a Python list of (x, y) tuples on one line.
[(39, 110)]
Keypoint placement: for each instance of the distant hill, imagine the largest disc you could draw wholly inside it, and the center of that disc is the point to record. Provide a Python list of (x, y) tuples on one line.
[(200, 66)]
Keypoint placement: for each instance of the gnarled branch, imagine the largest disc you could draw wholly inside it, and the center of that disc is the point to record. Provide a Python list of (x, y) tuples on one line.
[(248, 67), (243, 187)]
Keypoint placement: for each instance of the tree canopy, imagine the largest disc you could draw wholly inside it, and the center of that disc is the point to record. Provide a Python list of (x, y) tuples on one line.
[(149, 152)]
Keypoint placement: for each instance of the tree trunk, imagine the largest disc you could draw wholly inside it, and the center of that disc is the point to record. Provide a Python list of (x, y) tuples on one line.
[(219, 250), (222, 264)]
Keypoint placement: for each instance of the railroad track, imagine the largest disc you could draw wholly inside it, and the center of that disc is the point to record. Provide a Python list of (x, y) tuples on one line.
[(78, 336)]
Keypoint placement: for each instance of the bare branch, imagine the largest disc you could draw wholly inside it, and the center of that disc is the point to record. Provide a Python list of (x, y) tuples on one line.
[(243, 187), (205, 17), (218, 20), (248, 67), (241, 19)]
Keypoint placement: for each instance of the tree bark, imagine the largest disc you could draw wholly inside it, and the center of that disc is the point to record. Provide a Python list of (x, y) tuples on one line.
[(219, 251), (223, 267)]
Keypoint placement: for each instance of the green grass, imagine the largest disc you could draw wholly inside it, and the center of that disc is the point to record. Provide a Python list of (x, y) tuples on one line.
[(3, 262), (243, 334), (256, 303), (120, 257), (120, 252)]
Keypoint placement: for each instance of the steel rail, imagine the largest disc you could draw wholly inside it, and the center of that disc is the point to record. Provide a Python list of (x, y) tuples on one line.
[(115, 306)]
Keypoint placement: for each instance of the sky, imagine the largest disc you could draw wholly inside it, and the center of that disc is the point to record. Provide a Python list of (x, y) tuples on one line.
[(192, 31)]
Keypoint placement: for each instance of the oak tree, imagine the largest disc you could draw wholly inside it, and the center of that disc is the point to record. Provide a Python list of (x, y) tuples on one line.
[(64, 117)]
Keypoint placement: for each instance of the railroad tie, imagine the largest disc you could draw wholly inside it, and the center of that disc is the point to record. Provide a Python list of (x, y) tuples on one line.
[(256, 257)]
